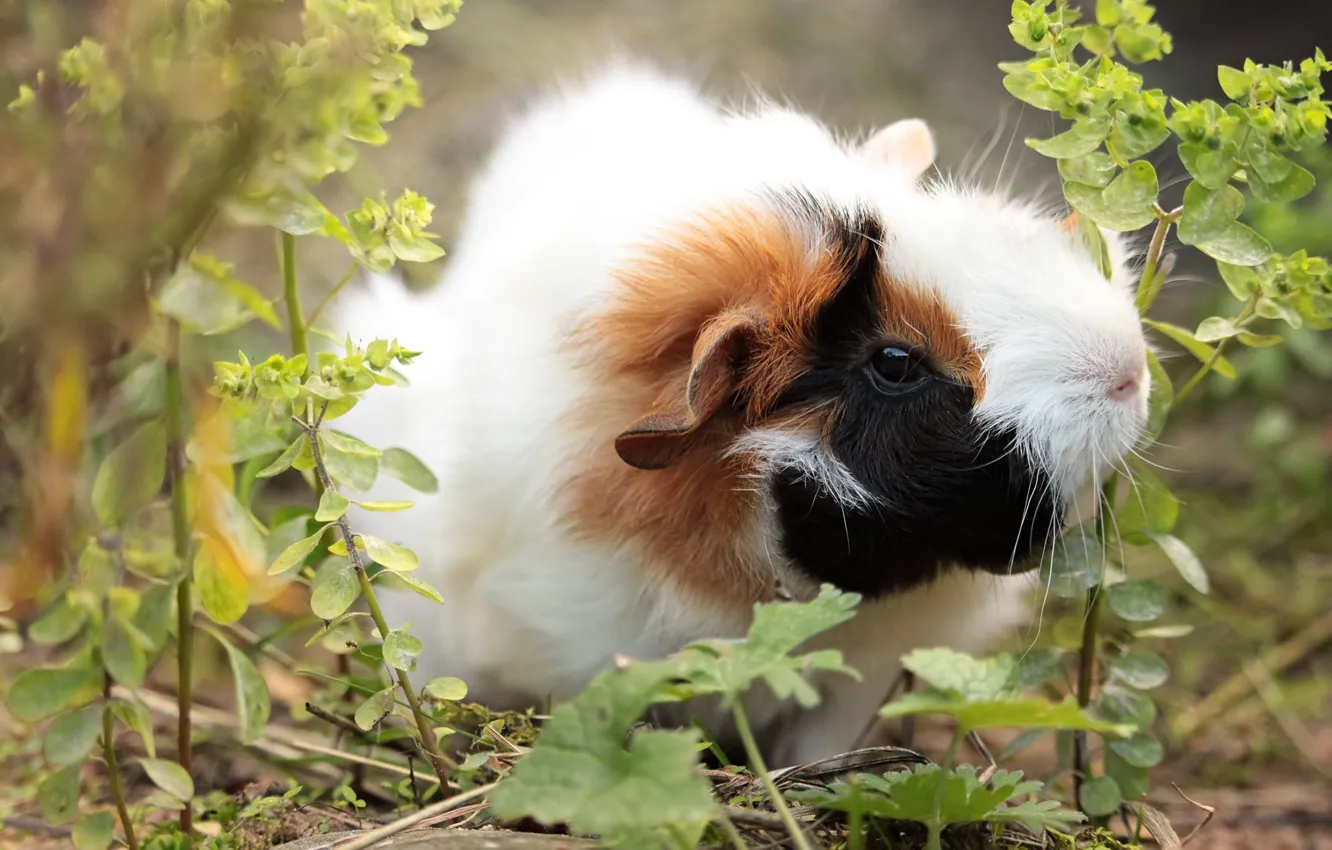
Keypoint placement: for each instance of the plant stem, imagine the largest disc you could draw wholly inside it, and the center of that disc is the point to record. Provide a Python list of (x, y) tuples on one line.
[(330, 295), (438, 760), (1148, 288), (756, 764), (180, 529), (113, 766), (728, 828), (1091, 628), (300, 341)]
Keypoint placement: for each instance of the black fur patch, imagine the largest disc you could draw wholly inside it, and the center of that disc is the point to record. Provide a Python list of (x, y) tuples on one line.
[(946, 496)]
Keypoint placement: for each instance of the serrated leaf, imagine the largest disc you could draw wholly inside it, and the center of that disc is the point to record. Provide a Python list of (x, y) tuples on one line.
[(1184, 561), (390, 556), (70, 737), (728, 667), (1084, 137), (586, 772), (283, 461), (224, 591), (131, 475), (374, 709), (295, 554), (94, 831), (1136, 601), (447, 688), (1100, 796), (1140, 669), (1201, 350), (962, 676), (334, 589), (170, 777), (40, 692), (332, 505), (253, 705), (401, 649), (58, 796), (408, 468), (1149, 509)]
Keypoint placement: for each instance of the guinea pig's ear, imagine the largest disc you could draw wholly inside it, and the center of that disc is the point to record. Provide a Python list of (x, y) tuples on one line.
[(666, 432), (906, 146)]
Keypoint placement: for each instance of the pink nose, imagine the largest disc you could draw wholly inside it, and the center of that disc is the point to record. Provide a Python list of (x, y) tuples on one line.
[(1125, 387)]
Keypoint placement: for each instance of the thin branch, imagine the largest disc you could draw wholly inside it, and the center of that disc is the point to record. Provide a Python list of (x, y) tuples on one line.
[(757, 766), (180, 528), (113, 767), (420, 817), (330, 295)]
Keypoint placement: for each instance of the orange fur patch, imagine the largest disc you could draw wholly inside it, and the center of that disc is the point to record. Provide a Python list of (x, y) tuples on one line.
[(696, 519)]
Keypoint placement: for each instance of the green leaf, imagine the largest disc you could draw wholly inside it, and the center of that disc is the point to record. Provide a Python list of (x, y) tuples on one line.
[(334, 589), (1215, 329), (1136, 601), (414, 248), (1253, 340), (1178, 630), (413, 583), (1125, 705), (58, 795), (1140, 750), (295, 554), (348, 444), (1234, 82), (203, 304), (1295, 185), (1133, 781), (385, 505), (1201, 350), (391, 556), (70, 737), (1100, 796), (1212, 168), (1149, 509), (1094, 169), (1140, 669), (252, 701), (401, 649), (1242, 281), (224, 591), (374, 709), (122, 654), (1209, 224), (40, 692), (283, 461), (1010, 713), (585, 771), (1127, 203), (407, 468), (94, 831), (332, 505), (1185, 561), (1084, 137), (1039, 665), (135, 716), (132, 475), (170, 777), (1076, 565), (728, 667), (1161, 400), (59, 623), (447, 688), (355, 471)]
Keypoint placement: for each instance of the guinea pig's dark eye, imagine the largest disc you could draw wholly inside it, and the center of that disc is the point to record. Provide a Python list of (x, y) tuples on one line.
[(893, 368)]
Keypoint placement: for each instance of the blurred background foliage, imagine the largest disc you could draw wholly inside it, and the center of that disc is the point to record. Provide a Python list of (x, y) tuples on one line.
[(1251, 460)]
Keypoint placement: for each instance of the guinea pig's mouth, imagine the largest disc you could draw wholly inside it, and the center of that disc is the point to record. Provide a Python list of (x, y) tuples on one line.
[(982, 507)]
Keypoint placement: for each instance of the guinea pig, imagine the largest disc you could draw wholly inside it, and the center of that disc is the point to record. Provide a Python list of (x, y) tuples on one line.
[(687, 358)]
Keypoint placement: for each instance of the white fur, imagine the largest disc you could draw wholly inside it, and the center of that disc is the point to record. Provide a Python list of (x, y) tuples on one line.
[(573, 188)]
